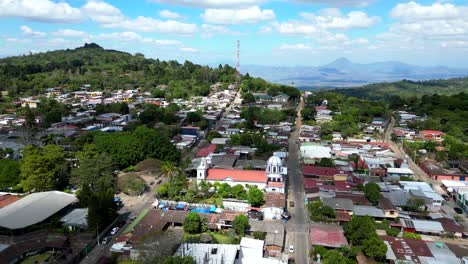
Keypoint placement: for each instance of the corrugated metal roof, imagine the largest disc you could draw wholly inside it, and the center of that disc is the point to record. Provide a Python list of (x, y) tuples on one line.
[(34, 208)]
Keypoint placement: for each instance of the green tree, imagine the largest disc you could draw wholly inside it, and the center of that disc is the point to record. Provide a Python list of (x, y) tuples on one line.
[(101, 209), (212, 134), (9, 174), (95, 169), (326, 162), (239, 192), (43, 169), (169, 169), (335, 257), (358, 229), (255, 197), (372, 192), (241, 224), (248, 98), (179, 260), (374, 247), (192, 223), (259, 235)]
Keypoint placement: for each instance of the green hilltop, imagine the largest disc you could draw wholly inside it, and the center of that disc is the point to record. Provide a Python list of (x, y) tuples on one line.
[(406, 88), (106, 69)]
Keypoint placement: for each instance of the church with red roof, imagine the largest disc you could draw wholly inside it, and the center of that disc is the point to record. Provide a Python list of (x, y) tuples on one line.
[(270, 180)]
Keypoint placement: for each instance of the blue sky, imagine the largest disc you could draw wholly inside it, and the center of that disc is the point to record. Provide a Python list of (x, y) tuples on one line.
[(272, 32)]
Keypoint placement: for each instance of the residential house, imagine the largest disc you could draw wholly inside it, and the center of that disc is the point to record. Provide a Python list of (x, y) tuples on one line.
[(432, 135)]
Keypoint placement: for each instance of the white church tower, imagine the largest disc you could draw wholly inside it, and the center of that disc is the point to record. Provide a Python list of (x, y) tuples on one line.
[(202, 170), (275, 173)]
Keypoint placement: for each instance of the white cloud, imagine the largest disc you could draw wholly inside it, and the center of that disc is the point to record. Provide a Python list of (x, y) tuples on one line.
[(109, 16), (358, 3), (427, 26), (208, 30), (169, 14), (299, 46), (17, 40), (413, 11), (71, 33), (102, 12), (187, 49), (129, 36), (265, 30), (40, 10), (212, 3), (29, 32), (333, 19), (121, 36), (237, 16), (297, 28)]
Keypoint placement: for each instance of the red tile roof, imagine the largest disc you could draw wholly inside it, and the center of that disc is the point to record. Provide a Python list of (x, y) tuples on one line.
[(237, 175), (405, 248), (343, 216), (320, 171), (327, 235), (204, 152), (432, 132), (273, 199), (275, 184), (327, 185), (8, 199)]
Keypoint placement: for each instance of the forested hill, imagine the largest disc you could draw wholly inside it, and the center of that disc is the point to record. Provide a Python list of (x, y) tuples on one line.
[(106, 69), (405, 89)]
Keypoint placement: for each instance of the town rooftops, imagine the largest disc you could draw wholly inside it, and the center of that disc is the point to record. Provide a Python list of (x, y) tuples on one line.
[(209, 253), (423, 226), (34, 208), (432, 132), (327, 235), (78, 218), (363, 210), (320, 171), (274, 199), (338, 203), (206, 151), (8, 199), (237, 175)]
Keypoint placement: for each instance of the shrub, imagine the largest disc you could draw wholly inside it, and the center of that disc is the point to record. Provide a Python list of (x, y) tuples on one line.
[(131, 184)]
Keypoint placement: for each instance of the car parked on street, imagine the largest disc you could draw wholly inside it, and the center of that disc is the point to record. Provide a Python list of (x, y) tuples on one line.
[(106, 240), (458, 210), (291, 249), (114, 231)]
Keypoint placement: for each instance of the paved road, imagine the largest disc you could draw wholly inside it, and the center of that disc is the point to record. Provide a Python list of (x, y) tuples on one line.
[(297, 227)]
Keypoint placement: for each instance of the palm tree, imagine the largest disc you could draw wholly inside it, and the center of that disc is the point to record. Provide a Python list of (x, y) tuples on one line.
[(169, 169)]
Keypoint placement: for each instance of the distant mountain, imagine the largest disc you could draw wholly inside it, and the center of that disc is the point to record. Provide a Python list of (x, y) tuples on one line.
[(344, 73)]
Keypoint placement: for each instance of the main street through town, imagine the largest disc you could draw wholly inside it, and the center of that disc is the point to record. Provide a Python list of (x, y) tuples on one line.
[(297, 227)]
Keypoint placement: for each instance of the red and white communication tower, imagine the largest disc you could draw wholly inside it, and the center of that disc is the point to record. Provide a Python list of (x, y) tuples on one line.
[(238, 62)]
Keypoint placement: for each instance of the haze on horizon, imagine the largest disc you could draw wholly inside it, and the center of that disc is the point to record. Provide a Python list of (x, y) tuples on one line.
[(278, 33)]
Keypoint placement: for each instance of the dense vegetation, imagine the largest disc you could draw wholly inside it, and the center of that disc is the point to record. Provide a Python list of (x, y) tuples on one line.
[(107, 69), (445, 113), (350, 112), (406, 88)]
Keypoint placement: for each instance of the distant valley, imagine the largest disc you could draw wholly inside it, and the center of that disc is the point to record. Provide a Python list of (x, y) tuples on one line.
[(344, 73)]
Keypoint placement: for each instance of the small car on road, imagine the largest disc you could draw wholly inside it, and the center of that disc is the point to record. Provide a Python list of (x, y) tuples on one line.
[(458, 210), (106, 240), (291, 249), (114, 231)]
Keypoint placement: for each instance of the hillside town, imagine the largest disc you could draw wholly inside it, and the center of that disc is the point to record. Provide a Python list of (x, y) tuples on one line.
[(253, 189)]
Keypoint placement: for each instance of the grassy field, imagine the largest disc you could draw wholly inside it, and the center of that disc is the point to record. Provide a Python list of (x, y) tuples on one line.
[(136, 221), (222, 238), (37, 258)]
